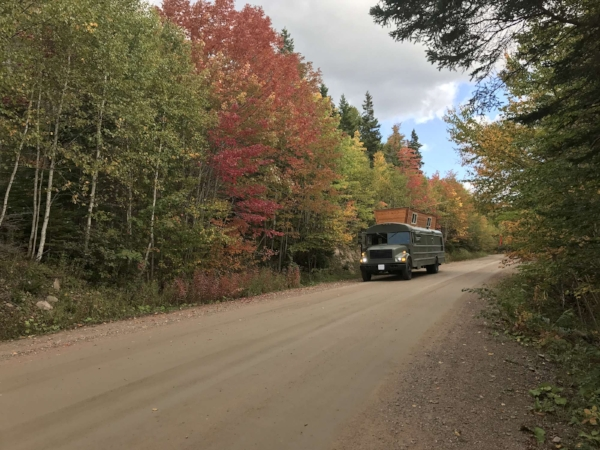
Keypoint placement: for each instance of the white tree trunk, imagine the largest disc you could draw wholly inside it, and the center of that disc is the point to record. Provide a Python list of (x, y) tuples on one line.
[(40, 252), (155, 193), (16, 166), (37, 184), (151, 243), (53, 151), (129, 210), (88, 227), (37, 217)]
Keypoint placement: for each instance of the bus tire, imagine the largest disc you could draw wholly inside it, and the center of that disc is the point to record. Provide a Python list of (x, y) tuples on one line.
[(434, 268), (365, 276), (406, 273)]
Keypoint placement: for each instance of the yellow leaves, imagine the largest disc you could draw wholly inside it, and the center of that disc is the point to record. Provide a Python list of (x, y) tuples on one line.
[(91, 27), (592, 416), (379, 161), (88, 27)]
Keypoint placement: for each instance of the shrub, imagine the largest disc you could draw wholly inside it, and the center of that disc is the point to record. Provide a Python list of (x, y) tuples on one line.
[(24, 283), (461, 254), (533, 309), (211, 286)]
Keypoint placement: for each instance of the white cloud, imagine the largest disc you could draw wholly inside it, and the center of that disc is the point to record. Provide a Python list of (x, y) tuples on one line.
[(486, 119), (436, 102), (425, 148), (356, 55), (468, 186)]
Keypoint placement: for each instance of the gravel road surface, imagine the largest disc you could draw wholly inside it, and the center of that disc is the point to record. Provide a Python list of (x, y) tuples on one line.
[(290, 372)]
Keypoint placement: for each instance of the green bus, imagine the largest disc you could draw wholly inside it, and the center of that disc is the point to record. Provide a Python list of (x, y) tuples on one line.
[(398, 248)]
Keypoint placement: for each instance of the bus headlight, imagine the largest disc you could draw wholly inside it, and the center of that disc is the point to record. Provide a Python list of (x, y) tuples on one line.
[(364, 259)]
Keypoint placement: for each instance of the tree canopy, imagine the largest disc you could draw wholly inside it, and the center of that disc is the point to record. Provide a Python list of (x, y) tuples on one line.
[(149, 144)]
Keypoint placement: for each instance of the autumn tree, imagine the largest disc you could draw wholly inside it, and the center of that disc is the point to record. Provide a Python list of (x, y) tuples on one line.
[(324, 91), (273, 151), (395, 143), (143, 145), (356, 182), (416, 146)]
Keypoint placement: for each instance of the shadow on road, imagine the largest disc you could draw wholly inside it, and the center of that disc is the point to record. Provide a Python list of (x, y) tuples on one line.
[(388, 278)]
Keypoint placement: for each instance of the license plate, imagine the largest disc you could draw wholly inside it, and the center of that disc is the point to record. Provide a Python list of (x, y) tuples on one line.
[(381, 267)]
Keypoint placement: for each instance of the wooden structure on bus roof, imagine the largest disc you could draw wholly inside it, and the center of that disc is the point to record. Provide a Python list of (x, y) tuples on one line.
[(406, 215)]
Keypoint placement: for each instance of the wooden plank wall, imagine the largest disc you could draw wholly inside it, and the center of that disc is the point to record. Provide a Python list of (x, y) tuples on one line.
[(404, 215)]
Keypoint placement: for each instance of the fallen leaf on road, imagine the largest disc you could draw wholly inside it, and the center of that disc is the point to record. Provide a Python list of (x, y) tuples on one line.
[(154, 409)]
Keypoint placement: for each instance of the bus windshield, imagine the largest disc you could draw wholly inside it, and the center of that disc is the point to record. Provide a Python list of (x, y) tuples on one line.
[(400, 238)]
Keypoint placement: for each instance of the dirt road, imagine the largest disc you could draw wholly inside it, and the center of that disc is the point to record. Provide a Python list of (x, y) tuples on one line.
[(288, 373)]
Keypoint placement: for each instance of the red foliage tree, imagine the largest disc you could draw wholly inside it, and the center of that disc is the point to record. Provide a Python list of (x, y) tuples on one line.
[(274, 145), (409, 163)]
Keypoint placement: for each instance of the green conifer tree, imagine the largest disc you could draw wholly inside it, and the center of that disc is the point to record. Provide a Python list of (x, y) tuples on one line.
[(349, 117), (369, 127), (288, 43), (416, 146)]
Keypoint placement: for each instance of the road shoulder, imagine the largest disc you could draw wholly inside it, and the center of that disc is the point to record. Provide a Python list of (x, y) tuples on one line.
[(465, 387), (33, 345)]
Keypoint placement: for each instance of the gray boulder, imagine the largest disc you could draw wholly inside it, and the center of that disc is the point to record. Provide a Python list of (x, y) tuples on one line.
[(44, 306)]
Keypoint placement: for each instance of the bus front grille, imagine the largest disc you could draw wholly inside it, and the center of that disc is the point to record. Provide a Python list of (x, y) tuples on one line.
[(380, 254)]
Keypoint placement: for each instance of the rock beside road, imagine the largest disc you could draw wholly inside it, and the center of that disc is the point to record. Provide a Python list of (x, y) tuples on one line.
[(44, 305)]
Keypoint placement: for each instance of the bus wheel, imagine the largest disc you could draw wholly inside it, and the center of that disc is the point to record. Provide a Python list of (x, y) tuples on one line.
[(434, 268), (407, 271), (365, 276)]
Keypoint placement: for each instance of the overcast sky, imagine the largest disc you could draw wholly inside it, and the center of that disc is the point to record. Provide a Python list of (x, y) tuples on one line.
[(356, 55)]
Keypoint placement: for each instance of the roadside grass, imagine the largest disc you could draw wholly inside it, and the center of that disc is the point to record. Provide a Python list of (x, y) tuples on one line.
[(319, 276), (462, 254), (532, 318), (23, 284)]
